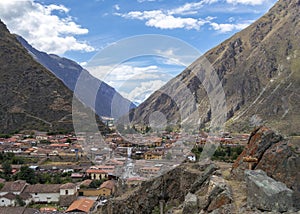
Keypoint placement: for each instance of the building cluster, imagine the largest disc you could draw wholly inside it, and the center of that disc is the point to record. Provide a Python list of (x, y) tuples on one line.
[(67, 195), (115, 159)]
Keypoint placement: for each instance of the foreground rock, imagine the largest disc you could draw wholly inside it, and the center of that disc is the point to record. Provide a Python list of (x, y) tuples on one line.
[(172, 188), (190, 204), (259, 142), (277, 156), (264, 193)]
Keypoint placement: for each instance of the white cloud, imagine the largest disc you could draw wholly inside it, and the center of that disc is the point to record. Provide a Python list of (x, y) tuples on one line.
[(162, 20), (41, 28), (143, 91), (134, 82), (82, 64), (247, 2), (225, 28), (123, 73), (191, 8), (117, 7)]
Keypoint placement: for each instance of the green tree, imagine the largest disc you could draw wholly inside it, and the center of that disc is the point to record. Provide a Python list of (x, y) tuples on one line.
[(1, 185), (27, 174), (169, 156), (20, 201), (96, 183), (7, 169)]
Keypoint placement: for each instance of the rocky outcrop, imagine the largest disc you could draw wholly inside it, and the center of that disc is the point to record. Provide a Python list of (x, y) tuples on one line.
[(203, 177), (260, 140), (173, 188), (266, 194), (281, 161), (190, 204), (214, 194), (278, 157)]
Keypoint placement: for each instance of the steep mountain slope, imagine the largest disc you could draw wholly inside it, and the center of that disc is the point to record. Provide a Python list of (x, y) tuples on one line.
[(259, 69), (69, 71), (31, 97)]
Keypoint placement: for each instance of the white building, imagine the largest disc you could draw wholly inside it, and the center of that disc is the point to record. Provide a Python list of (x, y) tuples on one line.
[(44, 193), (68, 189), (8, 200)]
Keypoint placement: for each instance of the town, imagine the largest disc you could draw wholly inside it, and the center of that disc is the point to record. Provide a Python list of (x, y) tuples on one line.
[(65, 172)]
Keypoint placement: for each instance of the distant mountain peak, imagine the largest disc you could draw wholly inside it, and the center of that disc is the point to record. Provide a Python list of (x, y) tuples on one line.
[(107, 101)]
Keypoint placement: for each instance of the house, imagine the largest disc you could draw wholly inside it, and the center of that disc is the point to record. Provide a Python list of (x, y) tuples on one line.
[(11, 200), (8, 200), (81, 205), (15, 187), (150, 171), (107, 188), (68, 189), (134, 181), (68, 193), (44, 193), (98, 173), (153, 155), (77, 176)]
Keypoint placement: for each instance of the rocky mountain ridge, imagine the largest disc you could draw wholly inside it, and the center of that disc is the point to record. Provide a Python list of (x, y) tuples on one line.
[(96, 94), (31, 96), (259, 72)]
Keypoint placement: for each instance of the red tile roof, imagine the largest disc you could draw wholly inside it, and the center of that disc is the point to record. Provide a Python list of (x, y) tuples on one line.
[(14, 186), (99, 171), (108, 184), (82, 204), (43, 188)]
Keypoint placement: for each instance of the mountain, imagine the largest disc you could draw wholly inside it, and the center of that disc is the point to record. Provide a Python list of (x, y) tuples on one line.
[(31, 96), (69, 72), (259, 69)]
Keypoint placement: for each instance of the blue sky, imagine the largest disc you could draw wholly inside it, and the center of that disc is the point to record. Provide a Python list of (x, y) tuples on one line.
[(80, 29)]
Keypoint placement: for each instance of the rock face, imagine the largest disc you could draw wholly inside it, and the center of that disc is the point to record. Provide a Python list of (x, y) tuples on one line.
[(260, 140), (282, 162), (277, 156), (105, 99), (219, 193), (172, 187), (264, 193), (31, 97), (259, 71), (214, 195), (190, 204)]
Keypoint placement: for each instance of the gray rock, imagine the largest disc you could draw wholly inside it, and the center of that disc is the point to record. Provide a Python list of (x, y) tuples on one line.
[(190, 204), (219, 193), (206, 174), (264, 193)]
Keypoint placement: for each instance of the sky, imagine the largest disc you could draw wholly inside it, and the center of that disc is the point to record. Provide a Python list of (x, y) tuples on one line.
[(82, 30)]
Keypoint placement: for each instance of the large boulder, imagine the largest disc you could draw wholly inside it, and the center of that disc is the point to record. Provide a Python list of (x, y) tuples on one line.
[(282, 162), (214, 194), (277, 156), (190, 204), (264, 193), (203, 177), (219, 193), (260, 140)]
